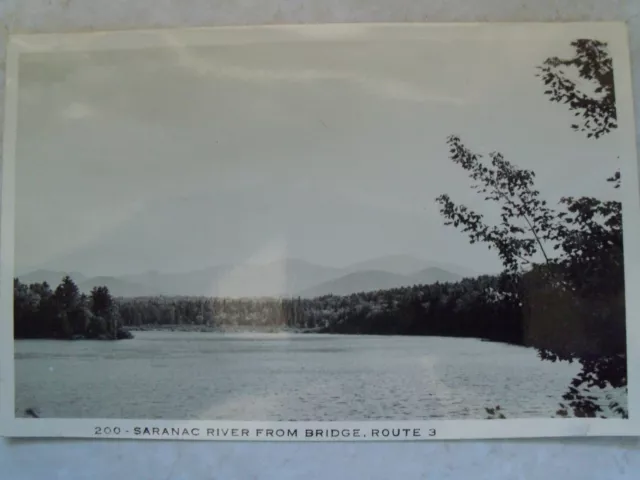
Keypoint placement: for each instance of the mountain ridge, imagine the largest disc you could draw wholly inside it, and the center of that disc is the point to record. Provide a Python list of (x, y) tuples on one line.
[(373, 280), (284, 277)]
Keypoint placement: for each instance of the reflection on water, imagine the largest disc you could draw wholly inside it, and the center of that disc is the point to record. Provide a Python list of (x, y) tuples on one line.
[(176, 375)]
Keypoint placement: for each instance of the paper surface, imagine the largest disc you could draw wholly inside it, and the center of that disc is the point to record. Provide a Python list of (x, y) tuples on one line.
[(265, 206)]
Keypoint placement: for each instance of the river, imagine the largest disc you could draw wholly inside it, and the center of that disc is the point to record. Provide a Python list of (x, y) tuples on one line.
[(182, 375)]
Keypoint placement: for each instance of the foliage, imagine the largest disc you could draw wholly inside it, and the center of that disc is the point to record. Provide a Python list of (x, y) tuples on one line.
[(525, 220), (105, 310), (462, 309), (566, 263), (65, 313), (585, 83)]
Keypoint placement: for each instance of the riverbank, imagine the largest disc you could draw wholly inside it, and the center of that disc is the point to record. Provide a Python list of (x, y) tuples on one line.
[(121, 334), (217, 329), (193, 328)]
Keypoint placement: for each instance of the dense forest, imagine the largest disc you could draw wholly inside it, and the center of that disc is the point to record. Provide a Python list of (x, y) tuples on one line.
[(486, 307), (65, 313), (469, 308)]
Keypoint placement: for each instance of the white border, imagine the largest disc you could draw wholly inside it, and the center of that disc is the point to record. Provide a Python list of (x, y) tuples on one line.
[(615, 33)]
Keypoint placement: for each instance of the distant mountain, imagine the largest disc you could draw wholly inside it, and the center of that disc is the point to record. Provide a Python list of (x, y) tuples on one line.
[(192, 283), (460, 272), (284, 277), (51, 277), (432, 275), (408, 265), (398, 264), (373, 280), (279, 278), (276, 278), (117, 287), (355, 282)]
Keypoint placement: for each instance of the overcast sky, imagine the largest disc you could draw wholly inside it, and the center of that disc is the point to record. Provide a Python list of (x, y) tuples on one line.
[(333, 152)]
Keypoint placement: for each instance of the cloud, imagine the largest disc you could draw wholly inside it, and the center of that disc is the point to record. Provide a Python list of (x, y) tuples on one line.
[(388, 88)]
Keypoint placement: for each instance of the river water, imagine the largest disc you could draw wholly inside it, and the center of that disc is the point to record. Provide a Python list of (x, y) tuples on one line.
[(180, 375)]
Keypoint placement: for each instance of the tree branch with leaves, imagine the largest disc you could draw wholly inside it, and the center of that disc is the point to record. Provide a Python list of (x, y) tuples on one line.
[(585, 83), (526, 222), (565, 267)]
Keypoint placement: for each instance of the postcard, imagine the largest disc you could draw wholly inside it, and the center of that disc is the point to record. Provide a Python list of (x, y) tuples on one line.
[(354, 232)]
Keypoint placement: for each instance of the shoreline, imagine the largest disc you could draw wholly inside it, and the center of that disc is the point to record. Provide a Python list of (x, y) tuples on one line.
[(217, 329), (234, 329), (186, 328)]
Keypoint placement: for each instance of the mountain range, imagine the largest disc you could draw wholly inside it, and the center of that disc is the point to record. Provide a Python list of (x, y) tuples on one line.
[(288, 277)]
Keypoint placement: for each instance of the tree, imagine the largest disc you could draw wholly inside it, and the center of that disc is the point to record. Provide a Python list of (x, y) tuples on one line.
[(101, 302), (526, 222), (25, 308), (80, 316), (593, 64), (66, 313), (71, 312), (67, 294), (565, 265), (585, 83), (47, 314), (106, 311)]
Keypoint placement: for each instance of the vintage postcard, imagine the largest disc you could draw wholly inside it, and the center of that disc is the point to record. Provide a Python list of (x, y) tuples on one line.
[(322, 232)]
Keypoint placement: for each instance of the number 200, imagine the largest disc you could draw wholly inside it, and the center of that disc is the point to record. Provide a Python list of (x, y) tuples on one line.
[(107, 431)]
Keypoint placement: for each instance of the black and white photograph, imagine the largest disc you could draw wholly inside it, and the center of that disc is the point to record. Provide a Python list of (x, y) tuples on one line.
[(398, 229)]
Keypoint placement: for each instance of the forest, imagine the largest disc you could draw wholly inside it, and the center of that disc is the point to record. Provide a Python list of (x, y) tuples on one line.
[(469, 308), (65, 313), (485, 307), (464, 309)]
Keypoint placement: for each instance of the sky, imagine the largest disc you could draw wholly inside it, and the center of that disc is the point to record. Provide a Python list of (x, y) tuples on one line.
[(178, 158)]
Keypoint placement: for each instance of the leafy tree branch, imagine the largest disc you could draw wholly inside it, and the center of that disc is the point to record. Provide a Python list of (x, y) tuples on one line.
[(568, 82)]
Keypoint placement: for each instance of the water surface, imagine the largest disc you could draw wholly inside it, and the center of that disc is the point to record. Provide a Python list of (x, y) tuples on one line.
[(181, 375)]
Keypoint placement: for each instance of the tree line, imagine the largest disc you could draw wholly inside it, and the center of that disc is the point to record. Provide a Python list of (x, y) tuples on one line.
[(470, 308), (65, 313), (473, 307)]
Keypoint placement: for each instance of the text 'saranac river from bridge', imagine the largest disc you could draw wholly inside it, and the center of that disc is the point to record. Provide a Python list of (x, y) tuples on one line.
[(285, 377)]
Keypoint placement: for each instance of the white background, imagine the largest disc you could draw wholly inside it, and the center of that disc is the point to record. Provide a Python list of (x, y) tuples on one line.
[(567, 459)]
